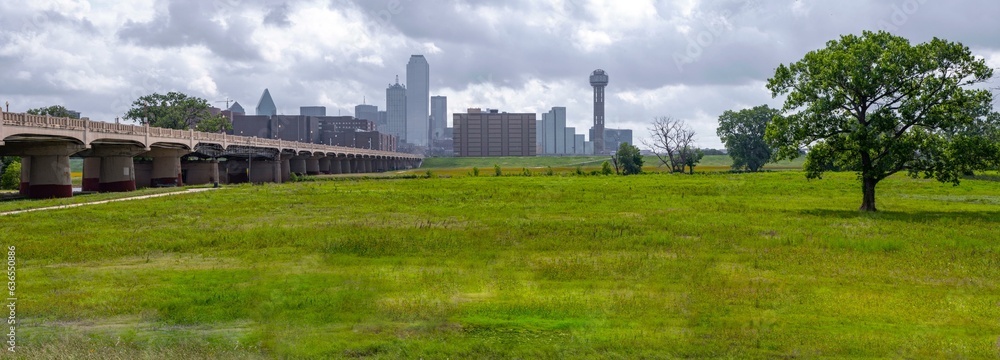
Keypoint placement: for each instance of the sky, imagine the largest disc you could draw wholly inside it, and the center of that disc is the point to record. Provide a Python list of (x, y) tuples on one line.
[(686, 59)]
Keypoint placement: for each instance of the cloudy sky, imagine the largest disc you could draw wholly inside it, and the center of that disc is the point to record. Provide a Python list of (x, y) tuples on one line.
[(688, 59)]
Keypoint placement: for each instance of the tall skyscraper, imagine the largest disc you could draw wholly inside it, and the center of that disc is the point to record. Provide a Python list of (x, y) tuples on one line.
[(395, 109), (418, 93), (599, 80), (439, 117), (266, 105)]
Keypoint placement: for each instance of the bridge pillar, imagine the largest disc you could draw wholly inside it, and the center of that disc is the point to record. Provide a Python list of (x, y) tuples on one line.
[(25, 174), (298, 165), (312, 165), (345, 165), (286, 168), (262, 171), (91, 174), (117, 174), (167, 167), (276, 174), (324, 165), (355, 165), (201, 172), (335, 165), (50, 177), (369, 165)]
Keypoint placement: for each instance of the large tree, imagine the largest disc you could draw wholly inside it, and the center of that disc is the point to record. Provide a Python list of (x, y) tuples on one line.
[(173, 111), (877, 105), (743, 133), (54, 111)]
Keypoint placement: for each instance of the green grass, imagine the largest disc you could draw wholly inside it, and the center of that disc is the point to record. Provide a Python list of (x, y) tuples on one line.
[(713, 265), (708, 163)]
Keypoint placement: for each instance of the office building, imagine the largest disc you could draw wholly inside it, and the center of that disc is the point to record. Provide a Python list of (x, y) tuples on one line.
[(395, 109), (312, 111), (479, 133), (368, 112), (266, 107), (439, 117), (418, 94), (557, 139)]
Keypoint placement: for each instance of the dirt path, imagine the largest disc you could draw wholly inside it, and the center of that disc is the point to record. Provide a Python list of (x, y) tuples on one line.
[(191, 191)]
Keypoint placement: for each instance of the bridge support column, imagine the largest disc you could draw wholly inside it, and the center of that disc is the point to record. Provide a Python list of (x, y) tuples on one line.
[(335, 165), (369, 166), (286, 168), (92, 174), (262, 171), (117, 174), (355, 165), (324, 165), (298, 165), (201, 172), (167, 167), (50, 177), (25, 175), (312, 165), (345, 165), (276, 173)]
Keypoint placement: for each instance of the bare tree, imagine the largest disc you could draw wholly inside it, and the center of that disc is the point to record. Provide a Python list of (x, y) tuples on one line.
[(673, 143)]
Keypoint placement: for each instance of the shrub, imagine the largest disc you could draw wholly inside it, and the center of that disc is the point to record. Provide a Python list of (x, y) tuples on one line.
[(526, 172), (496, 168), (475, 171), (579, 170), (549, 171), (430, 175), (11, 178), (606, 168)]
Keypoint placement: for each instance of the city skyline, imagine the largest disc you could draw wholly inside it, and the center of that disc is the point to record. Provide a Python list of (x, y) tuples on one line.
[(690, 60)]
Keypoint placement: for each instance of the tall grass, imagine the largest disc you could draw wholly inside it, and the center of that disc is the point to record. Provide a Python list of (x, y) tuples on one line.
[(658, 265)]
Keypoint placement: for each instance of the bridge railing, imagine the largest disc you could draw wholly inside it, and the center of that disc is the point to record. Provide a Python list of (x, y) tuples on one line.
[(127, 129), (21, 119)]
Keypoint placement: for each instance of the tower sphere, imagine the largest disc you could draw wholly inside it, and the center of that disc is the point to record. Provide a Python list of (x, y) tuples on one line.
[(599, 78)]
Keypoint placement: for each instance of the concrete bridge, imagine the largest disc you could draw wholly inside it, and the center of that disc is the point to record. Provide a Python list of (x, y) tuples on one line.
[(121, 157)]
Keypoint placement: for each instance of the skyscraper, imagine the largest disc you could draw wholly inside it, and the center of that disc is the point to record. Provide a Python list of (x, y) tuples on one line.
[(418, 92), (439, 117), (368, 112), (395, 109), (266, 105), (599, 80)]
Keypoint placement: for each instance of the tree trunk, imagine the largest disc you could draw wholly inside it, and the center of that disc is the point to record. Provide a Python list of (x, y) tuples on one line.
[(868, 204)]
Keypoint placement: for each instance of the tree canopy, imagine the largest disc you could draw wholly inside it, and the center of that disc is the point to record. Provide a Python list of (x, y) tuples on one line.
[(628, 159), (174, 111), (877, 105), (54, 111), (743, 133)]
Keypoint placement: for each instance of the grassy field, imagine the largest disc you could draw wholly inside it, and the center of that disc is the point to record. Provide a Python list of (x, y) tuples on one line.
[(708, 163), (713, 265)]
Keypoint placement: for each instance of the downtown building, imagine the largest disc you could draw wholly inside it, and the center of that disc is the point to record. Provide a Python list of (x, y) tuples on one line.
[(418, 97), (555, 139), (395, 111), (491, 133), (315, 129)]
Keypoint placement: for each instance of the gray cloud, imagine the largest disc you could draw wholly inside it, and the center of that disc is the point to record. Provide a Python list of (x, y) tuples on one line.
[(189, 23), (691, 63)]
